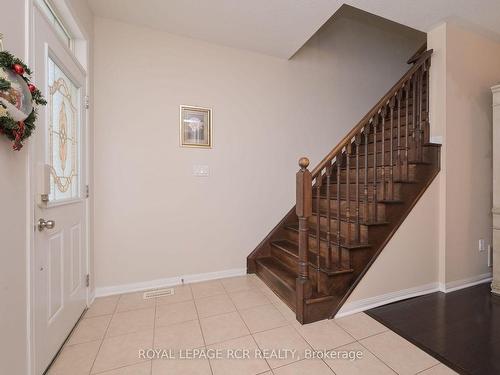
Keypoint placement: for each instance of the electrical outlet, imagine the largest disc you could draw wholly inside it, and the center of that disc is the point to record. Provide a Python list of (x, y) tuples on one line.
[(482, 245), (201, 170)]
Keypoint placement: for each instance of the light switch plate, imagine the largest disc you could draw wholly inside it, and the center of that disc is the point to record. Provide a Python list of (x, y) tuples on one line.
[(201, 170), (482, 246)]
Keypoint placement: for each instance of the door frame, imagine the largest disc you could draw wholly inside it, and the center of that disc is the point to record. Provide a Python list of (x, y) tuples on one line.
[(79, 52)]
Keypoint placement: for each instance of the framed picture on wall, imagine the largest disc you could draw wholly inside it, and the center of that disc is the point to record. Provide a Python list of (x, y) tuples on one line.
[(195, 126)]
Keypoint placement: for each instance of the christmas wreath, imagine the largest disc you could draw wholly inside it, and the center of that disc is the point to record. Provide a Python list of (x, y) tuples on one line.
[(18, 100)]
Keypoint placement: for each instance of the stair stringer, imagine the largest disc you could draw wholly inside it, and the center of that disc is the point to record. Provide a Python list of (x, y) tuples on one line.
[(434, 168), (410, 249)]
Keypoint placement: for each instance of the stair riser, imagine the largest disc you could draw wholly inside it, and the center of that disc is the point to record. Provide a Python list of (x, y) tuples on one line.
[(396, 174), (414, 155), (370, 188), (387, 134), (323, 206), (330, 285), (347, 230), (285, 257), (387, 145), (276, 285), (294, 237), (387, 161), (318, 311), (291, 260)]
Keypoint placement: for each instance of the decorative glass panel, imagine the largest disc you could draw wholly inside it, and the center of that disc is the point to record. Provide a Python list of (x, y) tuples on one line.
[(63, 135)]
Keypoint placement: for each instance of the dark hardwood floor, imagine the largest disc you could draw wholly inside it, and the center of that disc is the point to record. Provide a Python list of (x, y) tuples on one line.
[(461, 329)]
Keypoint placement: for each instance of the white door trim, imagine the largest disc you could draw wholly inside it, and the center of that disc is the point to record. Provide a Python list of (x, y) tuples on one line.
[(31, 190)]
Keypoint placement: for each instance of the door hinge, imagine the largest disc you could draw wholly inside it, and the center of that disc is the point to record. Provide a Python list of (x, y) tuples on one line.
[(87, 191), (87, 102), (87, 280)]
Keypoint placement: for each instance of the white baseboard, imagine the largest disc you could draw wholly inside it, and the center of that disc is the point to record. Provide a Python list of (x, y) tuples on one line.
[(465, 283), (172, 281), (384, 299), (91, 298)]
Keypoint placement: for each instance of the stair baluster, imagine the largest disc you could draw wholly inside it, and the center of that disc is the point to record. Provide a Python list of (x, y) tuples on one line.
[(357, 141), (303, 209), (392, 103), (365, 185), (414, 115), (417, 117), (382, 115), (398, 147), (374, 192), (338, 161), (427, 66), (328, 260), (421, 116), (348, 192), (319, 180), (405, 157)]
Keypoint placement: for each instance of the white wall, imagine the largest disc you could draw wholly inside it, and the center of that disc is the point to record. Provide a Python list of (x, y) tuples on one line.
[(437, 245), (153, 220), (408, 265), (472, 67)]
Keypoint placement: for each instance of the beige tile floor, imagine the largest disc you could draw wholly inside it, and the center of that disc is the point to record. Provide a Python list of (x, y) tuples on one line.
[(227, 315)]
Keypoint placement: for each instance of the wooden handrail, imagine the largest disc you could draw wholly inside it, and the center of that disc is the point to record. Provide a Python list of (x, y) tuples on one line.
[(366, 119), (417, 54)]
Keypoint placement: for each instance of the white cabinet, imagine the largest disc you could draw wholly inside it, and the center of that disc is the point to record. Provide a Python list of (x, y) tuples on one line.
[(495, 286)]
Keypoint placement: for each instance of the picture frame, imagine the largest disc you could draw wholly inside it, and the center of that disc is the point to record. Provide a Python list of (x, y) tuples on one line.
[(195, 126)]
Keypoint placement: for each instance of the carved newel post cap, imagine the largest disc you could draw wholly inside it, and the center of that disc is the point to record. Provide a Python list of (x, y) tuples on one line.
[(303, 162)]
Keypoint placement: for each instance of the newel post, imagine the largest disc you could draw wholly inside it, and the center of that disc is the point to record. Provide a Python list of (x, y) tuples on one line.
[(303, 209)]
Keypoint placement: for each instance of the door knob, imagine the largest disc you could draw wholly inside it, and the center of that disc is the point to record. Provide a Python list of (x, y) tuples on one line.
[(46, 224)]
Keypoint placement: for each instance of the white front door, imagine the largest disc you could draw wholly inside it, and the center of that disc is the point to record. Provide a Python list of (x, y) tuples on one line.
[(60, 253)]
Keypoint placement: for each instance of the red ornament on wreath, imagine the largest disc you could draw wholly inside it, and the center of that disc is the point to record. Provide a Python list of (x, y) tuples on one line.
[(18, 68), (18, 99)]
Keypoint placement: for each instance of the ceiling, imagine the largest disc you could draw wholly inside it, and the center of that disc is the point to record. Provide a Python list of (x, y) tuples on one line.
[(280, 27)]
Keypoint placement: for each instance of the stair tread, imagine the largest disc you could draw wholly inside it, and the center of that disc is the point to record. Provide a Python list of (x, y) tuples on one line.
[(352, 219), (289, 277), (361, 200), (282, 272), (410, 162), (361, 183), (293, 249), (322, 235)]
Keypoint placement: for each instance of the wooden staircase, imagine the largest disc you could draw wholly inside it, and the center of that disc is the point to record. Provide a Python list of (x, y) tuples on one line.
[(352, 203)]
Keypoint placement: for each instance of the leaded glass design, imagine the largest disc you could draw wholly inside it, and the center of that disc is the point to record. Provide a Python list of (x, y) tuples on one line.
[(63, 135)]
